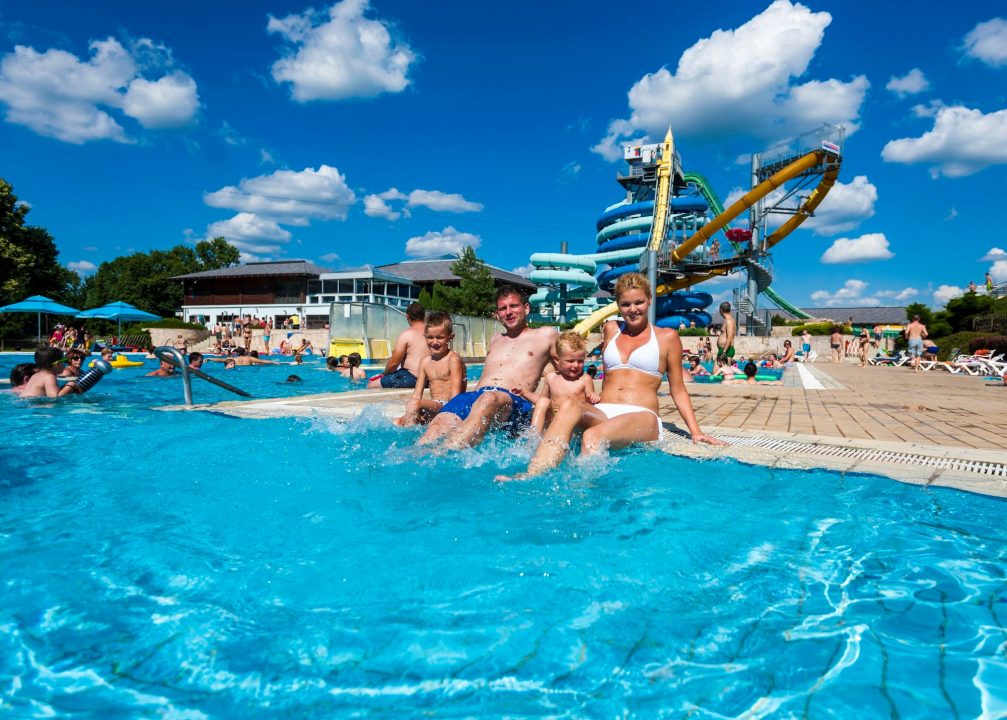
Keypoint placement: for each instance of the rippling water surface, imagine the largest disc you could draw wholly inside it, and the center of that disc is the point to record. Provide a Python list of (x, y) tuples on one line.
[(195, 565)]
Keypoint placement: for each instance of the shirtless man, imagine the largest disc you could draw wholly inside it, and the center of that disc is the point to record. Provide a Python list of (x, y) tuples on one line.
[(515, 360), (166, 369), (915, 333), (725, 341), (836, 343), (410, 348), (242, 359)]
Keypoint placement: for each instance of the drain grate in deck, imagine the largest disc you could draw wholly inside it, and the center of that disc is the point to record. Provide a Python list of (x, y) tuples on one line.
[(988, 469)]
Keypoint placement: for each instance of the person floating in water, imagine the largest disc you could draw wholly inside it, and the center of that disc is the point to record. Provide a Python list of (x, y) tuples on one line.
[(443, 370), (636, 356), (569, 380), (514, 361)]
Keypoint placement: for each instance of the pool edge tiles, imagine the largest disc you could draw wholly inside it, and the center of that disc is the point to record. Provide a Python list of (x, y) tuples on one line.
[(980, 471)]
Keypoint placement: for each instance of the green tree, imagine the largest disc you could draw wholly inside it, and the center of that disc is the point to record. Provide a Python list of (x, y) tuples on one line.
[(474, 294), (962, 310), (437, 299), (29, 264), (144, 279)]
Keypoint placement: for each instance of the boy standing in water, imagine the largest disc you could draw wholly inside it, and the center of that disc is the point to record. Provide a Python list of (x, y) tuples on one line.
[(569, 380), (443, 369), (48, 364)]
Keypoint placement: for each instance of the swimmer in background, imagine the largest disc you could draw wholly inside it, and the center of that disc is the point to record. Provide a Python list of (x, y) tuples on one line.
[(569, 380), (20, 375), (694, 369), (443, 369), (166, 369), (750, 370), (74, 364), (353, 371), (48, 364)]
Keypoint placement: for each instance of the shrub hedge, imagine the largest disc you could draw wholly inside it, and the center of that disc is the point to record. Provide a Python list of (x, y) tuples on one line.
[(996, 343), (819, 328)]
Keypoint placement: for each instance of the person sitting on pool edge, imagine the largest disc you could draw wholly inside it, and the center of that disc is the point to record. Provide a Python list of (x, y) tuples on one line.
[(443, 370), (515, 359), (569, 380), (637, 355), (410, 348)]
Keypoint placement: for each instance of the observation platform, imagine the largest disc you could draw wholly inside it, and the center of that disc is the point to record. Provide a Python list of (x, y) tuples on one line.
[(933, 428)]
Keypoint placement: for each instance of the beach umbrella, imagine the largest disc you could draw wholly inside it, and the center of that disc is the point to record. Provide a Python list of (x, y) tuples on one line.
[(39, 304), (118, 311)]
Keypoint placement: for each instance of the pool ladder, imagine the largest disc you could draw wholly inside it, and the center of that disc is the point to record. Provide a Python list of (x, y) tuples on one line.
[(174, 356)]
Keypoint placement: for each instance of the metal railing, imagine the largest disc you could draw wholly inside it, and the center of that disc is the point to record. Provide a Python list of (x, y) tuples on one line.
[(174, 356)]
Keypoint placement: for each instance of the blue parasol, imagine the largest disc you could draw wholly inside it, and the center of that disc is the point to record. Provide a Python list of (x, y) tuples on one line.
[(40, 305)]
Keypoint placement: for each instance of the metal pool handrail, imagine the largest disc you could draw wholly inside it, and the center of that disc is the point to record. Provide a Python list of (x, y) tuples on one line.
[(174, 356)]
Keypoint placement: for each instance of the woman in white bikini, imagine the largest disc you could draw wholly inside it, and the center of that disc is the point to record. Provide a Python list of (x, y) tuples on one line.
[(636, 356)]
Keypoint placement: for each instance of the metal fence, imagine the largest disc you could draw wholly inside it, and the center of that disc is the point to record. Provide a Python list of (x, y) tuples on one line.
[(374, 328)]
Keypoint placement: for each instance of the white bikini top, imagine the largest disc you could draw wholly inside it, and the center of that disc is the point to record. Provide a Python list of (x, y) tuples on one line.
[(646, 358)]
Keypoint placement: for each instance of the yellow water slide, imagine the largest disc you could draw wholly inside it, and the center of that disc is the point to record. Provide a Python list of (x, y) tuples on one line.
[(781, 177)]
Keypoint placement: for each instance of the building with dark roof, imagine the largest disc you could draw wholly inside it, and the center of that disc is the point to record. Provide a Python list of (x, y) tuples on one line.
[(426, 272)]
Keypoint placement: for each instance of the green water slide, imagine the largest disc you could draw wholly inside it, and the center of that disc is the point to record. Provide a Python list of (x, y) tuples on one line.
[(717, 207)]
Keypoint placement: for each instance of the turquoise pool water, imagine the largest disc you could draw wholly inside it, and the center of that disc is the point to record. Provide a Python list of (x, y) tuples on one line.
[(194, 565)]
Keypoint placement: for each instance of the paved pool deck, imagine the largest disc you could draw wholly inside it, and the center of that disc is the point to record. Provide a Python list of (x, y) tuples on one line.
[(931, 428)]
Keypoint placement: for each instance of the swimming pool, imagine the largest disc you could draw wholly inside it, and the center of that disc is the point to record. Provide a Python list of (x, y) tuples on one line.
[(196, 565)]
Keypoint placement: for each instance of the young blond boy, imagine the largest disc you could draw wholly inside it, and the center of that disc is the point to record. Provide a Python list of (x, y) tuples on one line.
[(443, 369), (569, 380)]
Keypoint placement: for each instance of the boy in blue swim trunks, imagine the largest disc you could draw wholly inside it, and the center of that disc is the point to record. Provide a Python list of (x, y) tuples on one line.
[(514, 361)]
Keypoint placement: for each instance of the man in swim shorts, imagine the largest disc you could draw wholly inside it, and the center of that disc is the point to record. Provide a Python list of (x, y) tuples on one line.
[(410, 348), (915, 333), (725, 341), (515, 361)]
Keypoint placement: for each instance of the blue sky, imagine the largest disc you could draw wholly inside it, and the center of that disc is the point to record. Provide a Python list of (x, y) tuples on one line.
[(368, 133)]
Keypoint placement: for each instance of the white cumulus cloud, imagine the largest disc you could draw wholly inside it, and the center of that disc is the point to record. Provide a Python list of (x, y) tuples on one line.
[(524, 271), (442, 202), (82, 267), (844, 208), (947, 292), (742, 80), (963, 141), (987, 42), (58, 95), (854, 293), (255, 237), (999, 271), (340, 54), (330, 257), (994, 255), (288, 196), (872, 246), (446, 241), (380, 205), (911, 83)]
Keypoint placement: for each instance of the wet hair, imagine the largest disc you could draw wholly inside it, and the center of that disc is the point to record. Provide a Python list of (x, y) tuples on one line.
[(440, 319), (194, 356), (254, 354), (415, 312), (293, 378), (508, 290), (725, 307), (631, 281), (332, 362), (239, 350), (750, 369), (354, 359), (19, 374), (46, 357), (570, 341)]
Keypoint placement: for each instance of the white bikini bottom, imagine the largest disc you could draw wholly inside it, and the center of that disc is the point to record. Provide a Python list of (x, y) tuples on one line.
[(614, 410)]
